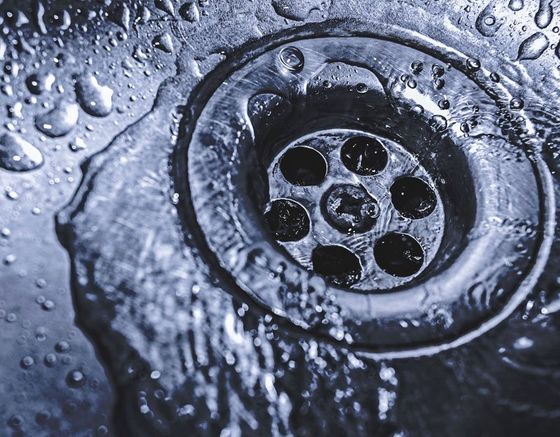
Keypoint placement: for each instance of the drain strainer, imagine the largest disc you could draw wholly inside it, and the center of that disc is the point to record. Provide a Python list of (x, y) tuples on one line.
[(366, 174)]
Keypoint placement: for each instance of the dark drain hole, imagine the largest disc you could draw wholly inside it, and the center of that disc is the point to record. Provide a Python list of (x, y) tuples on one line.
[(337, 264), (303, 166), (364, 156), (413, 197), (287, 220), (399, 254)]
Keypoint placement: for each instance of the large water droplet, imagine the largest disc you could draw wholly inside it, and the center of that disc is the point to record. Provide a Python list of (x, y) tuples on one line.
[(16, 154), (95, 99), (297, 10), (544, 14), (487, 23), (165, 6), (533, 47), (190, 12), (164, 43), (60, 121)]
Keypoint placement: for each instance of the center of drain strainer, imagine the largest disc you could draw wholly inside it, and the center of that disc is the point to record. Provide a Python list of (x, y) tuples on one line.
[(359, 191), (332, 187)]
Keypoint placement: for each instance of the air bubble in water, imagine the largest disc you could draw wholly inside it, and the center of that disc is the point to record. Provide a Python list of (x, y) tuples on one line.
[(533, 47), (292, 58), (95, 99), (16, 154), (59, 121)]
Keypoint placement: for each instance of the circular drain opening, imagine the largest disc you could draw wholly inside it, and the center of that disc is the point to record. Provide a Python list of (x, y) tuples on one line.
[(303, 166), (338, 264), (399, 254), (365, 156), (425, 204)]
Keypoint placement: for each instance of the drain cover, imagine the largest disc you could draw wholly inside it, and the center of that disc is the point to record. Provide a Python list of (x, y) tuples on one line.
[(319, 172)]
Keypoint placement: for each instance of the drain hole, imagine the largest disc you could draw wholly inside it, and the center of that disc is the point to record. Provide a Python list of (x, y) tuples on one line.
[(399, 254), (413, 197), (287, 220), (303, 166), (350, 209), (364, 156), (337, 264)]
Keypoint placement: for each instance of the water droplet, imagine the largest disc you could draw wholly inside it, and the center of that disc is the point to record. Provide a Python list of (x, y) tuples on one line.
[(27, 362), (533, 47), (164, 43), (121, 16), (50, 360), (62, 346), (417, 67), (75, 378), (438, 123), (95, 99), (516, 5), (473, 64), (38, 83), (190, 12), (59, 121), (292, 58), (165, 6), (516, 104), (298, 10), (486, 22), (77, 144), (16, 154), (543, 17)]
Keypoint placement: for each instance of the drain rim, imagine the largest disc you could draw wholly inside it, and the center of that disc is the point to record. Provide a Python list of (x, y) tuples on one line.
[(541, 252)]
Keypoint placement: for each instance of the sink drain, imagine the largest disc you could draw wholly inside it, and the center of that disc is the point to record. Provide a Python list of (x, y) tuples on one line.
[(337, 169)]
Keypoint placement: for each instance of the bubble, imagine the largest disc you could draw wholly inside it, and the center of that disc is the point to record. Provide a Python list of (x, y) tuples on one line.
[(473, 64), (516, 104), (292, 59), (26, 362)]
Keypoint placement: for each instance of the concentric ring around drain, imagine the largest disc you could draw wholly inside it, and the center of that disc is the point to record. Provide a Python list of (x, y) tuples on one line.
[(492, 194)]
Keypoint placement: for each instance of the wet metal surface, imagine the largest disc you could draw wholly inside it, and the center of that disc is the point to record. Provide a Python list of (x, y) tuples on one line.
[(142, 290)]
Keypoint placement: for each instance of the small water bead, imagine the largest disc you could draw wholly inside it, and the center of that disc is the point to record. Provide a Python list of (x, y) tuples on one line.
[(292, 59), (39, 83), (362, 88), (62, 346), (544, 14), (516, 5), (417, 67), (444, 104), (411, 83), (48, 305), (189, 11), (516, 104), (437, 70), (27, 362), (439, 84), (76, 378), (164, 43), (473, 64), (495, 77), (438, 123), (50, 360)]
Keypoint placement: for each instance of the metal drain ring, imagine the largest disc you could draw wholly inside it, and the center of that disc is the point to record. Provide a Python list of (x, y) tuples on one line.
[(451, 303)]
